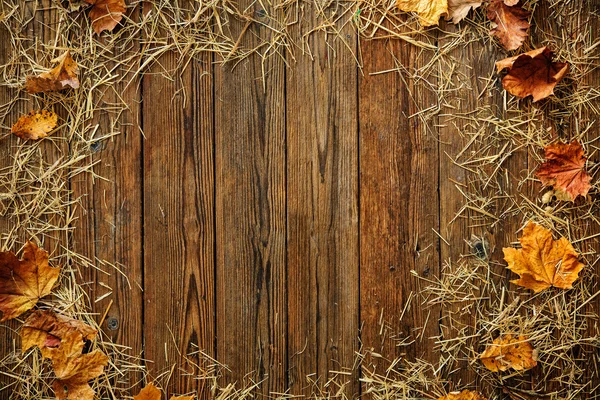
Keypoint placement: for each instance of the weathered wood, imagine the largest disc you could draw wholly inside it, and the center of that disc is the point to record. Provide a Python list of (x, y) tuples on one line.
[(322, 240), (178, 202), (250, 214), (399, 202)]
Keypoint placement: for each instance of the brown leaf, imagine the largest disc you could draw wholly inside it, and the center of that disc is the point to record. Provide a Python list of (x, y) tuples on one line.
[(532, 73), (45, 329), (542, 261), (35, 125), (151, 392), (73, 369), (458, 9), (24, 282), (464, 395), (429, 11), (63, 76), (507, 352), (510, 22), (106, 14), (564, 169)]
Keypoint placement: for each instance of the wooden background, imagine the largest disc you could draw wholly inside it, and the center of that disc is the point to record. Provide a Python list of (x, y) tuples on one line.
[(275, 224)]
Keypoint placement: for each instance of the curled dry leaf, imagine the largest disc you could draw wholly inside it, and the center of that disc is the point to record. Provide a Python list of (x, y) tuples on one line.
[(510, 23), (429, 11), (46, 329), (507, 352), (464, 395), (35, 125), (106, 14), (151, 392), (73, 369), (63, 76), (532, 73), (458, 9), (24, 282), (564, 169), (542, 261)]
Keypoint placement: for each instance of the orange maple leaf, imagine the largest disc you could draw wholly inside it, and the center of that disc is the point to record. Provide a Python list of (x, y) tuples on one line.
[(507, 352), (106, 14), (564, 169), (428, 11), (24, 282), (532, 73), (73, 369), (45, 329), (35, 125), (458, 9), (151, 392), (510, 22), (63, 76), (464, 395), (542, 261)]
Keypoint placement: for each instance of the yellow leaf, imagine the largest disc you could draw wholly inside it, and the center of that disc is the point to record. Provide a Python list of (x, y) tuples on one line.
[(464, 395), (507, 352), (429, 11), (35, 125)]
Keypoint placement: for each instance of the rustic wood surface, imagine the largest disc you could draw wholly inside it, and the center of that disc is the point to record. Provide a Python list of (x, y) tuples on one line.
[(275, 223)]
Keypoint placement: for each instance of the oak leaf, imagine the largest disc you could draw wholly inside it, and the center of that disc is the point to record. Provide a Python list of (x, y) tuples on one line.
[(73, 369), (35, 125), (532, 73), (24, 282), (458, 9), (428, 11), (564, 169), (464, 395), (151, 392), (46, 329), (510, 23), (542, 261), (63, 76), (507, 352), (106, 14)]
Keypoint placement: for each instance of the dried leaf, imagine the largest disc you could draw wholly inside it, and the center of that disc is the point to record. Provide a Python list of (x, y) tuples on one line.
[(106, 14), (429, 11), (507, 352), (45, 329), (458, 9), (542, 261), (151, 392), (464, 395), (73, 369), (24, 282), (510, 23), (564, 169), (63, 76), (35, 125), (532, 73)]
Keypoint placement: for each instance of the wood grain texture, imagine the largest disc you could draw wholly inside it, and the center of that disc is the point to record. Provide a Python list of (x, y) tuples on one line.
[(322, 240), (250, 215), (399, 203), (178, 200)]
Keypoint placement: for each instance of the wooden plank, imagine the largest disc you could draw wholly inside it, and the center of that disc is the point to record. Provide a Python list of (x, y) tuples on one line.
[(322, 240), (399, 204), (250, 213), (178, 199)]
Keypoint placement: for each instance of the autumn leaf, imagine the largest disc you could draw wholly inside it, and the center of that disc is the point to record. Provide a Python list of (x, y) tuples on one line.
[(458, 9), (45, 329), (35, 125), (464, 395), (151, 392), (429, 11), (510, 23), (532, 74), (24, 282), (106, 14), (507, 352), (564, 169), (63, 76), (542, 261), (73, 369)]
